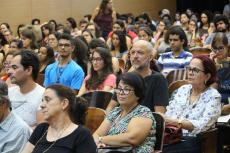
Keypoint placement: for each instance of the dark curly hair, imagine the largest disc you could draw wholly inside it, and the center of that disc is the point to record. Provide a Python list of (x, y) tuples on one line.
[(96, 79)]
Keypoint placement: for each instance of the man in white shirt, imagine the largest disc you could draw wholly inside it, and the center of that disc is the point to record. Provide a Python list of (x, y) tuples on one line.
[(14, 132), (27, 96)]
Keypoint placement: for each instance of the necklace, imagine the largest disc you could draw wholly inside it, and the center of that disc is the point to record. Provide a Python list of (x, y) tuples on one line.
[(60, 71), (58, 137)]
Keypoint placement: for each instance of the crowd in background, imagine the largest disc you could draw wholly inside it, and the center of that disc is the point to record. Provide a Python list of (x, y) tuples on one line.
[(79, 57)]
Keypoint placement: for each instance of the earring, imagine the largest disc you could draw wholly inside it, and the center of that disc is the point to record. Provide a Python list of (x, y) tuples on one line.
[(205, 82)]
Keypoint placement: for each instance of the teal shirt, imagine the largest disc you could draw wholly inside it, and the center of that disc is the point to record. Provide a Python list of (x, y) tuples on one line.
[(120, 125)]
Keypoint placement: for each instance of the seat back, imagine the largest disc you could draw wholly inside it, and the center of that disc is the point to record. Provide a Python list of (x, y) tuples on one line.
[(99, 99), (174, 75), (209, 141), (200, 51), (175, 85), (94, 118), (160, 128)]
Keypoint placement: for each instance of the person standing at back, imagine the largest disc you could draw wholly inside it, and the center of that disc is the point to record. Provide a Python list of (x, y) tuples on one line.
[(104, 16)]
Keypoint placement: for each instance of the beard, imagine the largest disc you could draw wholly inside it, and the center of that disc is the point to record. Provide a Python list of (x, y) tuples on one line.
[(221, 30)]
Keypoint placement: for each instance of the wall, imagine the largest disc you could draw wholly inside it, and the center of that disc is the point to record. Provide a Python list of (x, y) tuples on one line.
[(17, 12)]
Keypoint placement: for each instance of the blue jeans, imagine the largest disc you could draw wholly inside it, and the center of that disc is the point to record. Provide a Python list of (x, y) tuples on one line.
[(187, 145)]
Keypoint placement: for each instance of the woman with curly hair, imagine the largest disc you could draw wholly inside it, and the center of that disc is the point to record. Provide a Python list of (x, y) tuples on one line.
[(101, 76)]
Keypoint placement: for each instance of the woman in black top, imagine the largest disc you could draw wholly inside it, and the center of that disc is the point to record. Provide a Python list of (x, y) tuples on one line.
[(62, 133)]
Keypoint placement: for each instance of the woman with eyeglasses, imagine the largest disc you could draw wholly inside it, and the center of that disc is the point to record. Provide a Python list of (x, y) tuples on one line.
[(101, 75), (194, 107), (220, 55), (129, 124)]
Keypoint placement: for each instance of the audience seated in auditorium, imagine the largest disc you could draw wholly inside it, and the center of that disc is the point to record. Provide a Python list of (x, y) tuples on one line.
[(27, 95), (194, 107), (156, 92), (29, 40), (53, 42), (101, 76), (46, 57), (65, 71), (220, 55), (119, 48), (62, 131), (222, 25), (178, 58), (13, 130), (130, 124)]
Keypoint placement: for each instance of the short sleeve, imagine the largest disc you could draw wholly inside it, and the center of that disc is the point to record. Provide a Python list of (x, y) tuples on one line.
[(38, 133), (110, 81), (77, 80), (161, 96), (86, 142)]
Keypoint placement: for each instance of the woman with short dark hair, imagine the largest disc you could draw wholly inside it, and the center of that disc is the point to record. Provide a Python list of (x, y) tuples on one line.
[(130, 124)]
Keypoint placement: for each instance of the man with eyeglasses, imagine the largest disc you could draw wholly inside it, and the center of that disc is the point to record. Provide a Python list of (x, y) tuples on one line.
[(65, 71), (14, 132), (156, 92), (178, 58)]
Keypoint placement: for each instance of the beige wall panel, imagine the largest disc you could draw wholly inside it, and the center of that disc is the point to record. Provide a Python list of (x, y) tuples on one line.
[(22, 11), (51, 9), (15, 12)]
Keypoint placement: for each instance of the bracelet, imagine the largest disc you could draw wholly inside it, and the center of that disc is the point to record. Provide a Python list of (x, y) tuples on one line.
[(99, 139)]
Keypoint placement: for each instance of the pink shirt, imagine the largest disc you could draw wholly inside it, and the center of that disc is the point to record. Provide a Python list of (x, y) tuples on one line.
[(109, 81)]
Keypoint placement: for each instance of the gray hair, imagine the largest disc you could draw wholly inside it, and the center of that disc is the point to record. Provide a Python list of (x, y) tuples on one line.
[(146, 44)]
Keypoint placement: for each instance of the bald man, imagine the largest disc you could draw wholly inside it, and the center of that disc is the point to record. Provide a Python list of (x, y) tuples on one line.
[(156, 93)]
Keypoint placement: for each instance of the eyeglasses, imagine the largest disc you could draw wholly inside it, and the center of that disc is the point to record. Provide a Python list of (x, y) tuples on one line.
[(64, 45), (194, 69), (98, 59), (218, 49), (122, 91)]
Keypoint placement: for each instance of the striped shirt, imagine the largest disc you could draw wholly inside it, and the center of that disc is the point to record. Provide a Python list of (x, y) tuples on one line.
[(168, 62)]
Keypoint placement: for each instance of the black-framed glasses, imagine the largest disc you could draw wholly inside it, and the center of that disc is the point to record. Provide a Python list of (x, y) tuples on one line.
[(64, 45), (194, 69), (123, 91), (98, 59), (217, 49)]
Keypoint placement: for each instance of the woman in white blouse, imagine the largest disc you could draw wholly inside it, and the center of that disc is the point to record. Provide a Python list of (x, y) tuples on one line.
[(194, 107)]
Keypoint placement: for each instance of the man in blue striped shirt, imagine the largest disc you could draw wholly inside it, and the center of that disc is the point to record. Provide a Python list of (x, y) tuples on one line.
[(178, 58)]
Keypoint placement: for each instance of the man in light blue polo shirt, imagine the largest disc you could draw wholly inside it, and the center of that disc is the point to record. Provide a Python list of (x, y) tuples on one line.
[(178, 58), (14, 132), (65, 71)]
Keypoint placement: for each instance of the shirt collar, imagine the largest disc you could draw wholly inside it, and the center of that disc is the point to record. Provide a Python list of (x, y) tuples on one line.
[(182, 54), (5, 125)]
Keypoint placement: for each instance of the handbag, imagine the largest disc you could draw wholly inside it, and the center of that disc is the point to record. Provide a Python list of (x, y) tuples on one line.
[(173, 134), (111, 149)]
